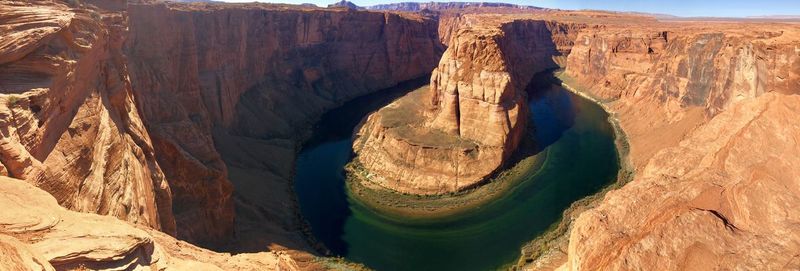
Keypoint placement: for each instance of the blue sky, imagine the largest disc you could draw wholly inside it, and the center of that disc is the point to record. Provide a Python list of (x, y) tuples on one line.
[(716, 8)]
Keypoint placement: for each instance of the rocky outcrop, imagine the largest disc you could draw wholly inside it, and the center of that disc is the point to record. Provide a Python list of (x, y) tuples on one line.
[(38, 234), (250, 79), (707, 111), (68, 118), (723, 198), (473, 118)]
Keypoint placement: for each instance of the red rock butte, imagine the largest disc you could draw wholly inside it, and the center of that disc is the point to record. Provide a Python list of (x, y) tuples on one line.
[(473, 115)]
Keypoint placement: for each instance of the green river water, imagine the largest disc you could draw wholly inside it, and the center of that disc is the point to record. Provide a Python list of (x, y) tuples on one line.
[(580, 158)]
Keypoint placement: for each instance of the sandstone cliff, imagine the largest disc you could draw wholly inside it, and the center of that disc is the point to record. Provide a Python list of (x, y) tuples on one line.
[(250, 79), (117, 109), (706, 109), (711, 134), (725, 197), (474, 116), (688, 73), (68, 118)]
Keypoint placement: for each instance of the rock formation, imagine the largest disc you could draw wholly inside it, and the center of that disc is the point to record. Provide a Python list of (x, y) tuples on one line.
[(113, 113), (38, 234), (68, 118), (708, 114), (722, 198), (473, 119), (250, 79)]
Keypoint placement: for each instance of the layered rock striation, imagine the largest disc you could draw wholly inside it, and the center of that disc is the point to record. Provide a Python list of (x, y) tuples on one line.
[(68, 117), (684, 73), (686, 66), (126, 109), (237, 86), (707, 111), (473, 115)]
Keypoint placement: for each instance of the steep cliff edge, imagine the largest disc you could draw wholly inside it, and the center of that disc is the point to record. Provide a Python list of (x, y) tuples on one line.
[(68, 118), (684, 73), (228, 91), (473, 115), (708, 113), (118, 109)]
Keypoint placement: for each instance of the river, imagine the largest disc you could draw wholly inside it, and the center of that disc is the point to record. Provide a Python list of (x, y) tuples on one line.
[(578, 158)]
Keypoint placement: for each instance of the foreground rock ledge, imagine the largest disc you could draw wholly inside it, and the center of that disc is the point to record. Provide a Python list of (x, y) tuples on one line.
[(38, 234), (465, 126)]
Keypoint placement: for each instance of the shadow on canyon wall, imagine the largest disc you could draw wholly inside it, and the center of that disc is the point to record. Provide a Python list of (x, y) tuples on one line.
[(551, 113), (331, 133), (260, 147), (339, 122)]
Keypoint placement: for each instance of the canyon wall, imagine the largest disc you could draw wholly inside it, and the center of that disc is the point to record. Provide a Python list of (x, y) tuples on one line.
[(708, 114), (685, 74), (252, 79), (68, 117), (417, 6), (478, 89), (474, 115), (129, 109), (682, 67)]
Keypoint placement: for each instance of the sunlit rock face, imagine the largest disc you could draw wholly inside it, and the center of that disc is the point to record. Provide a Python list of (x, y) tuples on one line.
[(68, 118), (472, 116), (707, 111)]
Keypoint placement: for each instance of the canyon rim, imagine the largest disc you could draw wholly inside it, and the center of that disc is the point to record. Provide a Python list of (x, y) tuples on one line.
[(157, 135)]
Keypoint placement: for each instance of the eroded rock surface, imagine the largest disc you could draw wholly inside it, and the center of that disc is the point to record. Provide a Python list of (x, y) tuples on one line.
[(139, 110), (473, 115), (684, 73), (723, 198), (707, 111), (38, 234), (459, 6), (233, 90), (68, 118)]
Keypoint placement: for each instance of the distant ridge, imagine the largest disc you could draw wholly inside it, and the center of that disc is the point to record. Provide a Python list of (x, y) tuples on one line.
[(777, 17), (344, 4), (418, 6)]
